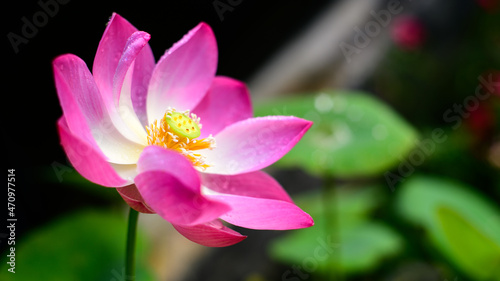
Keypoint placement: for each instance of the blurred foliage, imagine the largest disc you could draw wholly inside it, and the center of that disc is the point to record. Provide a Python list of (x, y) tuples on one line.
[(87, 245), (461, 224), (354, 244), (353, 133), (450, 221)]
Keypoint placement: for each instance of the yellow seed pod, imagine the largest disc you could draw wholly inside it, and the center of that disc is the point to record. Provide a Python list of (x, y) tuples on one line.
[(182, 125)]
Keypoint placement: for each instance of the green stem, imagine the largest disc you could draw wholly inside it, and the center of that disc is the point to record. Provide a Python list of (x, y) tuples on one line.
[(131, 237), (331, 209)]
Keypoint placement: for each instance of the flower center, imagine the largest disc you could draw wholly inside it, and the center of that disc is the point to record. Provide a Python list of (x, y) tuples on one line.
[(182, 125), (178, 131)]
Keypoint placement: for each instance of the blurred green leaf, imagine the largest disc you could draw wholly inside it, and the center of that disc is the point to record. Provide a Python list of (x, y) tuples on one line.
[(353, 134), (88, 245), (361, 246), (347, 241), (462, 225), (470, 247), (352, 204)]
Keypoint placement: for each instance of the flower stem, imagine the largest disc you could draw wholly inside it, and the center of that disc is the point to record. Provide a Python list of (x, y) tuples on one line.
[(130, 252), (331, 209)]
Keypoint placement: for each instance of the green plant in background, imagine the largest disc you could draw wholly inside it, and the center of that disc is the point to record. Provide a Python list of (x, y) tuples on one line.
[(360, 244), (454, 224), (353, 134), (87, 245), (460, 223), (355, 137)]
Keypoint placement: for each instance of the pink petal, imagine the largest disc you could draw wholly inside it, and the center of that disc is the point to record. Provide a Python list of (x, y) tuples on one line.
[(127, 172), (183, 75), (122, 85), (171, 187), (132, 48), (257, 201), (259, 213), (255, 184), (143, 69), (133, 198), (211, 234), (89, 161), (121, 53), (85, 112), (253, 144), (110, 50), (227, 101)]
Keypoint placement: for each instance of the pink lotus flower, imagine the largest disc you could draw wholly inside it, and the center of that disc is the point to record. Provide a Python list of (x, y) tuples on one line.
[(137, 126)]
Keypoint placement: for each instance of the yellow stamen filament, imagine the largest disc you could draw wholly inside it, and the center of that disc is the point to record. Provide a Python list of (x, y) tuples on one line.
[(172, 133)]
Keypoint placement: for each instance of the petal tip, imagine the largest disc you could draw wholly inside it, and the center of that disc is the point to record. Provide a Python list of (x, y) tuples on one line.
[(64, 57), (115, 16), (307, 123), (213, 234), (309, 222), (205, 28), (306, 126), (203, 25), (242, 237)]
